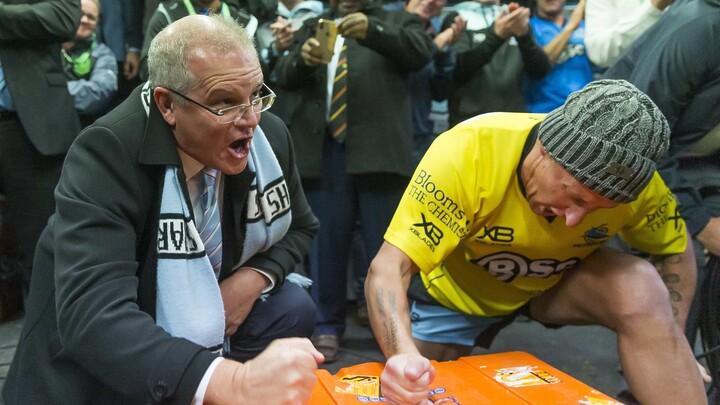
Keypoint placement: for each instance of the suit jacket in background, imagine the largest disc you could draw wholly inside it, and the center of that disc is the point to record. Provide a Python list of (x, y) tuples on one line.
[(379, 134), (33, 69)]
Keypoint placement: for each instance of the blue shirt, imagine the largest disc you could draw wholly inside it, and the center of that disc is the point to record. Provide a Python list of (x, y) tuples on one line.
[(6, 102), (571, 72)]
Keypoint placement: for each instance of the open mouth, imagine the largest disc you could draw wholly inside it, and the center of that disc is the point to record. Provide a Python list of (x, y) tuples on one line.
[(240, 148)]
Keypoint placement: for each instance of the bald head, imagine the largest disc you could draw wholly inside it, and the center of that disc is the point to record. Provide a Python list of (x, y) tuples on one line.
[(172, 47)]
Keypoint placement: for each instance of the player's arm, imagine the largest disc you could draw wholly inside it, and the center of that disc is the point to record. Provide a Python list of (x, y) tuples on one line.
[(407, 375), (386, 288), (679, 273)]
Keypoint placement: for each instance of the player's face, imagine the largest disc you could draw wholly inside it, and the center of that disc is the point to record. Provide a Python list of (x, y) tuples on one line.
[(553, 191)]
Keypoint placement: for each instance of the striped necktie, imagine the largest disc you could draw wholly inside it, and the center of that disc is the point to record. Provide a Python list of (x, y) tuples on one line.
[(337, 123), (210, 231)]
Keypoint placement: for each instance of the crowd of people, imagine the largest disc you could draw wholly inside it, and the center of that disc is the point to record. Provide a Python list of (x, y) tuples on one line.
[(190, 181)]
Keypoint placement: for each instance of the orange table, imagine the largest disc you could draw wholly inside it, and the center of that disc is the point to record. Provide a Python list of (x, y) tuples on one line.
[(502, 378)]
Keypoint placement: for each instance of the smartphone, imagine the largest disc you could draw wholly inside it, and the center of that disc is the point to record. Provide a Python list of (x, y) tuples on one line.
[(326, 34)]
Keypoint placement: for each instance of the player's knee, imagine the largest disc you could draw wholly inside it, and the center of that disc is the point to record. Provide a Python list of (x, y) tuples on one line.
[(641, 297)]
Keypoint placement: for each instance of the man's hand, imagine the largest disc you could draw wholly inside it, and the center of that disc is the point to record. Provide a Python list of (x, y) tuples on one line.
[(311, 52), (406, 379), (451, 34), (661, 4), (239, 293), (512, 23), (283, 33), (284, 373), (132, 65), (354, 26), (709, 237)]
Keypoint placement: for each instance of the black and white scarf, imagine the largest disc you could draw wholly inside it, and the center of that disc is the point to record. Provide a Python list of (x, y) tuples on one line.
[(189, 303)]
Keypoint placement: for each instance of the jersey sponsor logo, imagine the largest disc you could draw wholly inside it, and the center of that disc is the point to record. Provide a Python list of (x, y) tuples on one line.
[(506, 266), (443, 207), (431, 234), (502, 234), (571, 51), (271, 204), (658, 218)]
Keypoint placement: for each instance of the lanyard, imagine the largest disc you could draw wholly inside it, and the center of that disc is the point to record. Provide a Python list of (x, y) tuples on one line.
[(224, 9)]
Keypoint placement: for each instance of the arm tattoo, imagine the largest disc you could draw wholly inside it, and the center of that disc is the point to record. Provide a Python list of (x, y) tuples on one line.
[(388, 323)]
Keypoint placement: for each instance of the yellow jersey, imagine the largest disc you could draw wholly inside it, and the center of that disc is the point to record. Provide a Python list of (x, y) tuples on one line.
[(481, 250)]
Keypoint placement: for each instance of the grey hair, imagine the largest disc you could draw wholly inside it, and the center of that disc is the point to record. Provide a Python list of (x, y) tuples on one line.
[(170, 49)]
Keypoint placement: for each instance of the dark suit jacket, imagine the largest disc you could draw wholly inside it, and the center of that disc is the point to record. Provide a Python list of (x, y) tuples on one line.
[(379, 135), (33, 70), (89, 334), (676, 63)]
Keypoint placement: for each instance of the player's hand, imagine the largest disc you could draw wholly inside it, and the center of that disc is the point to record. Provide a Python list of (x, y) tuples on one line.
[(406, 379), (311, 53), (354, 25)]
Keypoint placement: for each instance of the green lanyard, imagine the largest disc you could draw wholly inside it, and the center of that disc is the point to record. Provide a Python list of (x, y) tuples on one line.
[(224, 9), (81, 65)]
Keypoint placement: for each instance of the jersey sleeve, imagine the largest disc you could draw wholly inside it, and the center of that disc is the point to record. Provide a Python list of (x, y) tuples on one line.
[(435, 211), (657, 227)]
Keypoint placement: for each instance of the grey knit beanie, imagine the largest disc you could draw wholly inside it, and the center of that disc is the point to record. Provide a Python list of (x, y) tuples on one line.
[(608, 135)]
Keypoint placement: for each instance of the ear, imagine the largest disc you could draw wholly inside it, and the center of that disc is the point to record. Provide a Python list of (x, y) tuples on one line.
[(165, 104)]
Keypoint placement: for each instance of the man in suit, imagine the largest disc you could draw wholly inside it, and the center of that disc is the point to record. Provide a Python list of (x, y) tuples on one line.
[(360, 174), (129, 303), (38, 121)]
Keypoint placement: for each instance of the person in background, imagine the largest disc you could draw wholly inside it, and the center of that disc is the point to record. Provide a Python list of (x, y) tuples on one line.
[(496, 51), (173, 10), (179, 218), (611, 26), (354, 153), (671, 63), (121, 30), (90, 67), (274, 38), (434, 81), (508, 213), (38, 121), (562, 40)]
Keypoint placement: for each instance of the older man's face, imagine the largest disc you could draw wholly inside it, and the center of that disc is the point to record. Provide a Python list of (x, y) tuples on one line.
[(225, 79)]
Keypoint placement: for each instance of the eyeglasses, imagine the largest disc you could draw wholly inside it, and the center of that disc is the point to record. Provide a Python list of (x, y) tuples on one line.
[(230, 114)]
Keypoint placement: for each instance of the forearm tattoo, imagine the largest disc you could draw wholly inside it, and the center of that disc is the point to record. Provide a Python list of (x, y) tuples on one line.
[(386, 304)]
